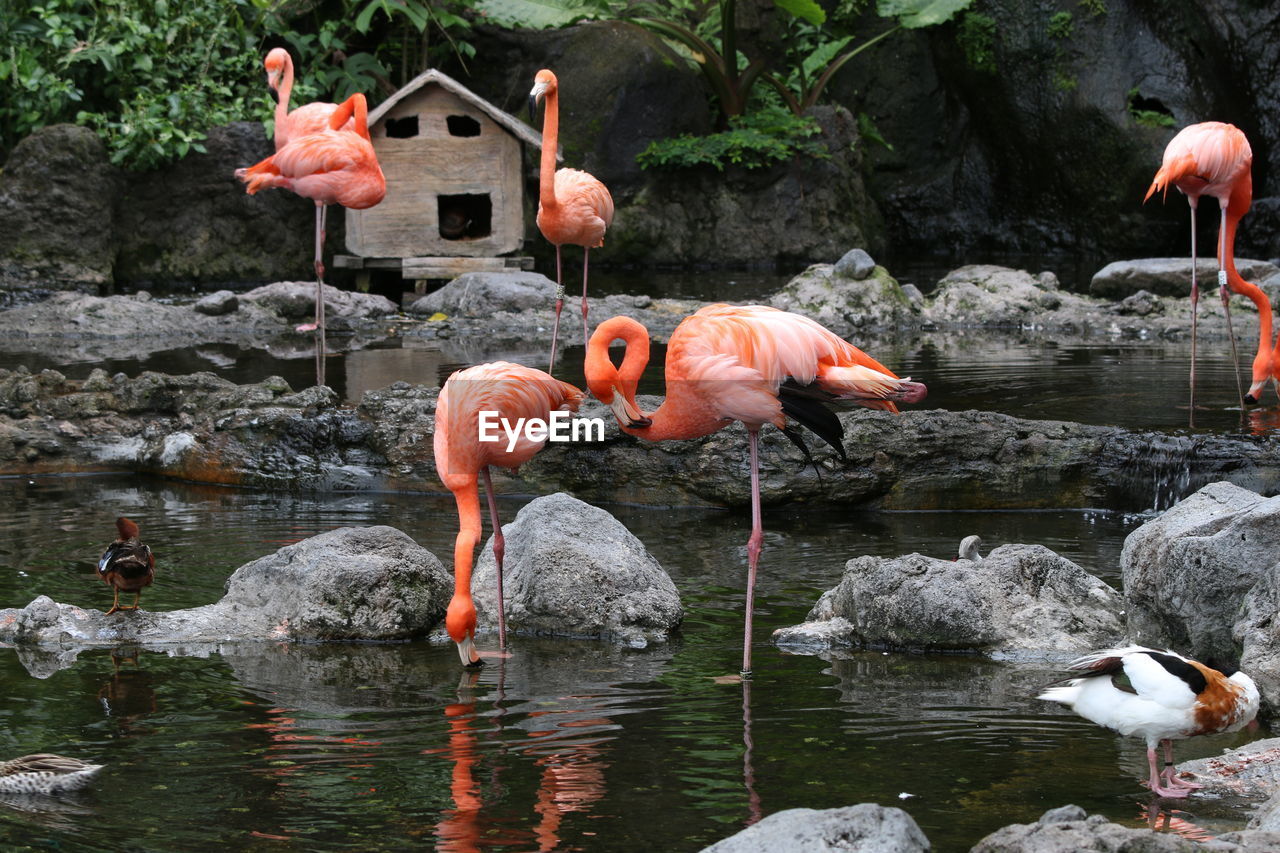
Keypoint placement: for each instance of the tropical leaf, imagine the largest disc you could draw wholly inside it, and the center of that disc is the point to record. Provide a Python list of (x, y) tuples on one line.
[(914, 14), (807, 10), (823, 54), (535, 14)]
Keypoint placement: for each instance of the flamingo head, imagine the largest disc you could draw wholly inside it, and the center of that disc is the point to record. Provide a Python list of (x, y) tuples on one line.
[(275, 63), (460, 622), (615, 387), (1264, 370), (543, 82)]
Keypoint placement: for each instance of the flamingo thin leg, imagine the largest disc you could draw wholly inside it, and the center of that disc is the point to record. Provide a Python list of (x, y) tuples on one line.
[(585, 336), (1195, 299), (1226, 303), (555, 329), (499, 549), (753, 547)]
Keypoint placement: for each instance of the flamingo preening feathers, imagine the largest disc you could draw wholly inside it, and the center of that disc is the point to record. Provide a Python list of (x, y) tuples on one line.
[(748, 363), (1160, 697), (127, 565), (1214, 159), (330, 166), (573, 207), (513, 392)]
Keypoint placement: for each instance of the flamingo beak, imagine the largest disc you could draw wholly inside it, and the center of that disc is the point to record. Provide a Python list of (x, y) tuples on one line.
[(467, 652), (273, 80), (627, 412), (908, 392), (535, 95)]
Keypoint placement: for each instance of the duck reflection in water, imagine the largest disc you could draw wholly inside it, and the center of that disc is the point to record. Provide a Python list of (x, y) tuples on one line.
[(1171, 820), (128, 696)]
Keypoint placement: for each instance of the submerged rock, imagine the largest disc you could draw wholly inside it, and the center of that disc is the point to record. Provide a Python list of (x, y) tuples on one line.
[(572, 569), (1186, 573), (864, 828), (353, 583), (1070, 829), (1018, 600)]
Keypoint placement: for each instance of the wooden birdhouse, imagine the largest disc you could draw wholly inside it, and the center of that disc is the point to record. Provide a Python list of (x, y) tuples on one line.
[(455, 185)]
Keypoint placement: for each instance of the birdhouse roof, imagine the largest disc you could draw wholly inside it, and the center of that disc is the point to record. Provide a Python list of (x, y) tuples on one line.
[(515, 126)]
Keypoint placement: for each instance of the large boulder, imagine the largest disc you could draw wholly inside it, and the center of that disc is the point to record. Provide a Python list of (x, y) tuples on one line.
[(297, 300), (1257, 635), (57, 193), (352, 583), (864, 828), (983, 294), (1019, 600), (572, 569), (191, 221), (846, 304), (1069, 829), (1187, 572), (482, 294), (1169, 276)]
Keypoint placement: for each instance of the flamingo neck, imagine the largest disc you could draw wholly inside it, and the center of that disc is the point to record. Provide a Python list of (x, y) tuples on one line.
[(355, 109), (460, 620), (283, 94), (1238, 206), (550, 140)]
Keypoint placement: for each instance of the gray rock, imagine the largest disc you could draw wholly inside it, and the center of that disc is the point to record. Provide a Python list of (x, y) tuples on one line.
[(1141, 304), (1019, 600), (482, 294), (864, 828), (855, 264), (1255, 634), (1168, 276), (217, 304), (986, 294), (1186, 573), (1267, 817), (573, 570), (297, 299), (1252, 770), (1067, 830), (846, 306), (57, 195), (371, 583)]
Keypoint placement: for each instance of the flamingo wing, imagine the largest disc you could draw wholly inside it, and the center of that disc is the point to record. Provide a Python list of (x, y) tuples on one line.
[(584, 210)]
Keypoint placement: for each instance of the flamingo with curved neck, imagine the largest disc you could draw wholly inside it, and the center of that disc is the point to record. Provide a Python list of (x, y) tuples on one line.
[(306, 119), (748, 363), (1264, 362), (574, 207)]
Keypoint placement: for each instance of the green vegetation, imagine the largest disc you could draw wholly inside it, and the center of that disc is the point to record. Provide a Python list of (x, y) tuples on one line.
[(1095, 8), (976, 36), (1147, 117), (1062, 25), (755, 140), (152, 76)]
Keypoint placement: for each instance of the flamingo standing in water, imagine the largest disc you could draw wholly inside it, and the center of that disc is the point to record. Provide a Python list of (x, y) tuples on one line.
[(1165, 697), (748, 363), (1211, 158), (573, 206), (509, 393), (1264, 361), (332, 166)]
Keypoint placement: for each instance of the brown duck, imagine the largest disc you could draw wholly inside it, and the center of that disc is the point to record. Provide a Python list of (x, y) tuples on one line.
[(126, 565)]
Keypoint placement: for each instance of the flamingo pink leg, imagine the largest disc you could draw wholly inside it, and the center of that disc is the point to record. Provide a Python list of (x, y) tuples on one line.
[(1195, 299), (1226, 303), (555, 329), (753, 547), (499, 549), (585, 335)]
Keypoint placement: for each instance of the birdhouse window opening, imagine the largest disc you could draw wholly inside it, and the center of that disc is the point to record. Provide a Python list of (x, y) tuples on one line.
[(462, 126), (405, 127), (465, 217)]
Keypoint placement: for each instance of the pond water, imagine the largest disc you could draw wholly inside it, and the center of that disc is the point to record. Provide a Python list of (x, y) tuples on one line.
[(563, 746), (570, 745)]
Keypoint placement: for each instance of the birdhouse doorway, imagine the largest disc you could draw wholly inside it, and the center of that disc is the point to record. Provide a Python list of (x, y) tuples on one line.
[(465, 217)]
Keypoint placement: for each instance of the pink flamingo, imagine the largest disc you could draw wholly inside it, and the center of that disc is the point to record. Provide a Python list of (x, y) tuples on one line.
[(306, 119), (748, 363), (573, 206), (1265, 365), (514, 392), (332, 166), (1211, 158)]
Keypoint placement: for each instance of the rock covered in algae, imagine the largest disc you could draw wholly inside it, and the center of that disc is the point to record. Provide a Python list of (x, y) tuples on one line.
[(572, 569), (1019, 600), (865, 827)]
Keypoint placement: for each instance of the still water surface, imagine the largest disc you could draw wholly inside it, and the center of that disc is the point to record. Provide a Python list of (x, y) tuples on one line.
[(565, 745)]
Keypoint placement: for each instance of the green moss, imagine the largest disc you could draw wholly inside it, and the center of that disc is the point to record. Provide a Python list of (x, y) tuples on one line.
[(976, 36), (1061, 26)]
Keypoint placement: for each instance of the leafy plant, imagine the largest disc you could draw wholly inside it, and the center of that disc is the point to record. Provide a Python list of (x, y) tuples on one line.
[(1061, 26), (755, 140), (1141, 112)]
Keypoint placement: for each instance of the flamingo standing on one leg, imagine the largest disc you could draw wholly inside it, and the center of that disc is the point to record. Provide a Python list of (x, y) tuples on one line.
[(573, 206), (1167, 697), (510, 392), (330, 167), (747, 363), (1214, 159)]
